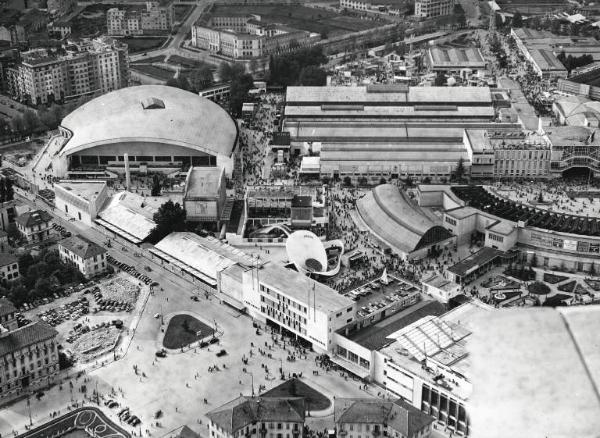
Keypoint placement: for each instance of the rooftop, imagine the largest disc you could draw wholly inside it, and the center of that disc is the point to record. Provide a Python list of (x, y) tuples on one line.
[(206, 255), (399, 415), (82, 247), (129, 215), (364, 94), (244, 411), (456, 57), (439, 282), (7, 259), (84, 189), (544, 390), (24, 336), (376, 336), (301, 288), (6, 307), (32, 218), (203, 182), (186, 120), (475, 260)]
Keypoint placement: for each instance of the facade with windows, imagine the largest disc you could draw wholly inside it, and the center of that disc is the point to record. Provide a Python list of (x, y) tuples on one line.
[(258, 417), (358, 418), (28, 355), (80, 199), (154, 18), (35, 226), (87, 256), (433, 8), (9, 268), (245, 36), (89, 67)]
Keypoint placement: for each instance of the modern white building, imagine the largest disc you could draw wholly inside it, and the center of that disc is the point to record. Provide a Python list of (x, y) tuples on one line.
[(35, 226), (80, 199), (271, 293), (439, 288), (87, 256)]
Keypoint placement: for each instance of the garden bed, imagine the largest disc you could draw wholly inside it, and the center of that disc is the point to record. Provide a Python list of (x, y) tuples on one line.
[(593, 284), (568, 287), (143, 44), (553, 278), (520, 274), (184, 330), (155, 72)]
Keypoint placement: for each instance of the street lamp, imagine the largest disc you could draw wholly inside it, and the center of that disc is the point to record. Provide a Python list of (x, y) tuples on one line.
[(252, 383), (29, 408)]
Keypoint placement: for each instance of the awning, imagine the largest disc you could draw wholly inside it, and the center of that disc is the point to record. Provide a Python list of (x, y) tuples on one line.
[(351, 367), (175, 262), (117, 230)]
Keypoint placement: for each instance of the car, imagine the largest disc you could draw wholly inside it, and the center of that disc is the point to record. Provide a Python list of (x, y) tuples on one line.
[(195, 298), (221, 353), (161, 353), (157, 315)]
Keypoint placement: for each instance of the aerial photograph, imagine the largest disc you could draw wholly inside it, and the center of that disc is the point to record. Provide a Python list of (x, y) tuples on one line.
[(299, 218)]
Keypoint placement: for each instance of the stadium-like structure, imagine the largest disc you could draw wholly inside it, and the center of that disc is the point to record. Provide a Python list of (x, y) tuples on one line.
[(401, 223), (162, 129)]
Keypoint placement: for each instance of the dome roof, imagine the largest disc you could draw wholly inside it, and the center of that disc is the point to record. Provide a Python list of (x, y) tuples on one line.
[(151, 113)]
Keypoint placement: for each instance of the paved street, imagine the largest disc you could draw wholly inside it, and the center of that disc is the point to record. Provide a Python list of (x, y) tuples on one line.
[(178, 384)]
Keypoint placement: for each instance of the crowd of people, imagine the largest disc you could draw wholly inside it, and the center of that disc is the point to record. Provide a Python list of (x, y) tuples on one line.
[(576, 197)]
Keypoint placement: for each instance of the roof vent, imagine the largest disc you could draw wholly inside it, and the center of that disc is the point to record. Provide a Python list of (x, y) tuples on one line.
[(152, 103)]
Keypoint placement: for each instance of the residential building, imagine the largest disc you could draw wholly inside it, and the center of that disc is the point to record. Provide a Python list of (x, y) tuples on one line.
[(28, 354), (80, 199), (366, 417), (246, 36), (60, 7), (87, 256), (35, 226), (89, 67), (9, 268), (3, 241), (13, 34), (433, 8), (155, 18), (258, 417), (61, 29), (8, 213)]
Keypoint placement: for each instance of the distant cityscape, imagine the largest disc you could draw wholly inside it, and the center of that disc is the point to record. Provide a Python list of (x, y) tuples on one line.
[(268, 219)]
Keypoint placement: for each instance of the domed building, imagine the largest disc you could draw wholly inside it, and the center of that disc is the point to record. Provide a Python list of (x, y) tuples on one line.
[(162, 129)]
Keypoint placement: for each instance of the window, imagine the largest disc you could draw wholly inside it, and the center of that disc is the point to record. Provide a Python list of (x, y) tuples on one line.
[(450, 220)]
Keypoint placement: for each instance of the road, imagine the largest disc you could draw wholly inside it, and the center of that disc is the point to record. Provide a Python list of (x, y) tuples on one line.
[(174, 46)]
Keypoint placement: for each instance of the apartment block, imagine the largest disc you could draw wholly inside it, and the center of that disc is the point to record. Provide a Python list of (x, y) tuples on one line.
[(154, 19), (89, 67)]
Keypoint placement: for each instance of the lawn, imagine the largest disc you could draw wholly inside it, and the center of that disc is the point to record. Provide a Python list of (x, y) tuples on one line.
[(302, 17), (155, 72), (187, 62), (150, 60), (315, 401), (180, 12), (143, 44), (553, 279), (594, 284), (567, 287), (521, 274), (184, 330)]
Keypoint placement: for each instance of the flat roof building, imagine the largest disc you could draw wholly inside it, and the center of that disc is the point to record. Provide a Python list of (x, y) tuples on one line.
[(456, 60), (129, 216), (204, 196)]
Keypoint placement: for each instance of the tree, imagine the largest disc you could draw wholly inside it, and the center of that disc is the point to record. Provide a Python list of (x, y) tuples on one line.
[(459, 172), (200, 78), (382, 180), (347, 181), (155, 191), (440, 79), (240, 85), (408, 181), (459, 15), (227, 72), (517, 20), (170, 217), (179, 82), (534, 260), (31, 122), (312, 76), (592, 269), (539, 288)]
